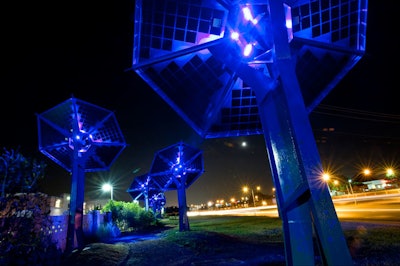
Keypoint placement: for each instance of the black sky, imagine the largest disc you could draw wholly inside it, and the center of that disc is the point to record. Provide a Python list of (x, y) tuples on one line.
[(53, 50)]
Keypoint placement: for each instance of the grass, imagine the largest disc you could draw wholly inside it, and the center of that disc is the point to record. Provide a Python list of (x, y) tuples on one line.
[(236, 226), (369, 244), (375, 245), (253, 240)]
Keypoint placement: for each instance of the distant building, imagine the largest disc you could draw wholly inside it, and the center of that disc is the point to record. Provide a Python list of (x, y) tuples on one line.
[(375, 184), (97, 204), (59, 205)]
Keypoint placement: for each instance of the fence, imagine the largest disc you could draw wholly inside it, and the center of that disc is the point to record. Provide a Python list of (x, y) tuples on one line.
[(91, 222), (371, 193)]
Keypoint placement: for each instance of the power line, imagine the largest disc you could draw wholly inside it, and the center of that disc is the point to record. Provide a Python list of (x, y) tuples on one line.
[(357, 114), (376, 128)]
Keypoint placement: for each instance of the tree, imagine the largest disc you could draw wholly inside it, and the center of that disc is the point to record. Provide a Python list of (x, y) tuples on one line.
[(19, 174), (25, 225)]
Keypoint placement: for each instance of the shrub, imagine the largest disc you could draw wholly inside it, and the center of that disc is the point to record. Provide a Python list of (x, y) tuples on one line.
[(130, 216), (25, 234)]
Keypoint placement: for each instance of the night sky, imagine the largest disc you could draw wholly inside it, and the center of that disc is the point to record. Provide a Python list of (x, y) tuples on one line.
[(54, 50)]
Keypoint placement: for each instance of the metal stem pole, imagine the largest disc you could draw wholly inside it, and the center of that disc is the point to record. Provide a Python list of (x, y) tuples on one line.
[(252, 194)]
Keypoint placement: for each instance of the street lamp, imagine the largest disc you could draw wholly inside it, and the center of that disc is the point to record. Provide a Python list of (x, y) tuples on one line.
[(108, 187), (351, 188), (390, 172), (326, 177), (352, 192), (246, 189), (366, 171)]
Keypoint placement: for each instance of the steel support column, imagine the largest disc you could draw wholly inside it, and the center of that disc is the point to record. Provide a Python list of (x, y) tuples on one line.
[(303, 198)]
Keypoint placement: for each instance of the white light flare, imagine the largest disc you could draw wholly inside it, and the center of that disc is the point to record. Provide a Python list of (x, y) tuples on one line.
[(247, 49), (248, 15), (235, 36)]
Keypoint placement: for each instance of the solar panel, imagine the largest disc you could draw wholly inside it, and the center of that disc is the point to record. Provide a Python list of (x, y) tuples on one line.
[(230, 68), (180, 48), (97, 135), (144, 186), (177, 166)]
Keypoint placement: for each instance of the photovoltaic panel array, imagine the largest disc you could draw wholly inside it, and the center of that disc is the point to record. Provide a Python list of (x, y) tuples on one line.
[(76, 124), (176, 166), (180, 48), (144, 186)]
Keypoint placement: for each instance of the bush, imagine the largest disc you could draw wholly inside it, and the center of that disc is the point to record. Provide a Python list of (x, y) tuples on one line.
[(130, 216), (25, 234)]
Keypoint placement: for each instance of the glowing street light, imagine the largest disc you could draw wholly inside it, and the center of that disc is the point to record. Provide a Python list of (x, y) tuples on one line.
[(326, 177), (390, 172), (108, 187), (246, 189), (366, 172)]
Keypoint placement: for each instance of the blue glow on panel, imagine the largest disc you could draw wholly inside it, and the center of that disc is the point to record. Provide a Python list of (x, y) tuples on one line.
[(185, 62)]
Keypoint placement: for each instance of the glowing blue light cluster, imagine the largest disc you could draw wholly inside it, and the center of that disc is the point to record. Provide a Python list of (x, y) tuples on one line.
[(83, 140), (252, 33)]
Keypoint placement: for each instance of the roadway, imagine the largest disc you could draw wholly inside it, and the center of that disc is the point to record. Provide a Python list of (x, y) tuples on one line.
[(381, 207), (377, 207)]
